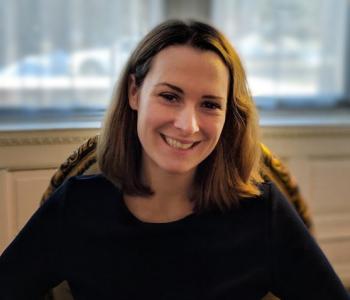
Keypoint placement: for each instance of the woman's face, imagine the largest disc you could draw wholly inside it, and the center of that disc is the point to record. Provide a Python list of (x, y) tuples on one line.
[(181, 108)]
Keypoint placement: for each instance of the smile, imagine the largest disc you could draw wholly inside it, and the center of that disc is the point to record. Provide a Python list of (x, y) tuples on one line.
[(177, 144)]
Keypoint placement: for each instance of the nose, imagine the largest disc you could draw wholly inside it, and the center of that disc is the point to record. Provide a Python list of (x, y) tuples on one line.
[(186, 121)]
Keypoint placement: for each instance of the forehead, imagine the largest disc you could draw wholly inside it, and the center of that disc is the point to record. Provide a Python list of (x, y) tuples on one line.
[(186, 65)]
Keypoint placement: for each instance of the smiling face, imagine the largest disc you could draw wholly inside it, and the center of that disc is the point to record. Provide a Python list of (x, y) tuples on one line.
[(181, 108)]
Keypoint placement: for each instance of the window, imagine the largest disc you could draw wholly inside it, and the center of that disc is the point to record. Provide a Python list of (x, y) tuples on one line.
[(294, 50), (67, 53), (62, 57)]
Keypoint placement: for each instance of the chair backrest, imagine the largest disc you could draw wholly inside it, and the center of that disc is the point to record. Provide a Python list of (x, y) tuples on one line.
[(83, 161)]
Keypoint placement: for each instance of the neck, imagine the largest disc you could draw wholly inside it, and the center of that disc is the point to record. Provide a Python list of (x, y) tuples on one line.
[(171, 199), (174, 186)]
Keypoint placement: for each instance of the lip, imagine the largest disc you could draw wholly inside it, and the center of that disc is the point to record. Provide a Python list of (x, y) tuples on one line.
[(195, 143), (179, 140)]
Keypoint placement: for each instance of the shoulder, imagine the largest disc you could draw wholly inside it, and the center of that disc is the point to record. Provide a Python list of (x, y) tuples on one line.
[(268, 191), (282, 216), (254, 211), (276, 200), (87, 184), (87, 180), (270, 195), (269, 203), (86, 191)]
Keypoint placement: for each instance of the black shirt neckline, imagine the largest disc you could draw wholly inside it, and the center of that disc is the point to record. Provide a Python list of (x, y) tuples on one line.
[(135, 219), (131, 217)]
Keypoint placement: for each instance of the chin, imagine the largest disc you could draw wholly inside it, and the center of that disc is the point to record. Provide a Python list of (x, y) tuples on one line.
[(178, 170)]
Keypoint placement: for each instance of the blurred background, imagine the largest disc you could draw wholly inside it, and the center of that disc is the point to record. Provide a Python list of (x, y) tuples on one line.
[(60, 59)]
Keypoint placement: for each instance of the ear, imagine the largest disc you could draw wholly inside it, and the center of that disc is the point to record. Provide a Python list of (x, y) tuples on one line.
[(133, 93)]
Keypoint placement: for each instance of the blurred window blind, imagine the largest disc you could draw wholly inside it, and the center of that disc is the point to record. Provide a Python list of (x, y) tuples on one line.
[(67, 54), (294, 50)]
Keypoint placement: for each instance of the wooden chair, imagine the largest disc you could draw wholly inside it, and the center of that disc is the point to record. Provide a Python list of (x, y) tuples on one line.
[(83, 161)]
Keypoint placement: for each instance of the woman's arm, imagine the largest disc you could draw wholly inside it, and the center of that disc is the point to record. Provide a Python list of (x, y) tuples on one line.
[(32, 263), (299, 269)]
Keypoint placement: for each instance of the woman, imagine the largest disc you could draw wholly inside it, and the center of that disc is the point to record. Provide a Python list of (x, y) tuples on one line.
[(179, 211)]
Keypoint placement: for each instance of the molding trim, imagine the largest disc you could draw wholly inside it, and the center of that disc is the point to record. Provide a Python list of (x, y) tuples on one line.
[(305, 131), (78, 136), (45, 137), (42, 140)]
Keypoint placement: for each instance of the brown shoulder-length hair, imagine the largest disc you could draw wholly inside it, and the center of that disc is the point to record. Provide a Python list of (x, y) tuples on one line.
[(230, 172)]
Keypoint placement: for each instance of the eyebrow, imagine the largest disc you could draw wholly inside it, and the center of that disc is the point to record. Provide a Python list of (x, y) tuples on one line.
[(178, 89)]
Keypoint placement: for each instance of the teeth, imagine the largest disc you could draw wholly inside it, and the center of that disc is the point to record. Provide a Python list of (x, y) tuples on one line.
[(177, 144)]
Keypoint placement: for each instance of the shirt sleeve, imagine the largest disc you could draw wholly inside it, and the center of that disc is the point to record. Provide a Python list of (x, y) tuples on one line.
[(32, 263), (299, 268)]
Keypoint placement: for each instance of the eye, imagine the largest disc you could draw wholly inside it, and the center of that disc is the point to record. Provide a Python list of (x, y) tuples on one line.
[(211, 105), (169, 97)]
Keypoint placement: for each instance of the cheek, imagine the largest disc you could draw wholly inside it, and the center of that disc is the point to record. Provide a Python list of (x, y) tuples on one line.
[(222, 125), (147, 122), (217, 128), (155, 115), (218, 132)]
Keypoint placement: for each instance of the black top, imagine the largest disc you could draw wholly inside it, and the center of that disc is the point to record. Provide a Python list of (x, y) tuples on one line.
[(86, 235)]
